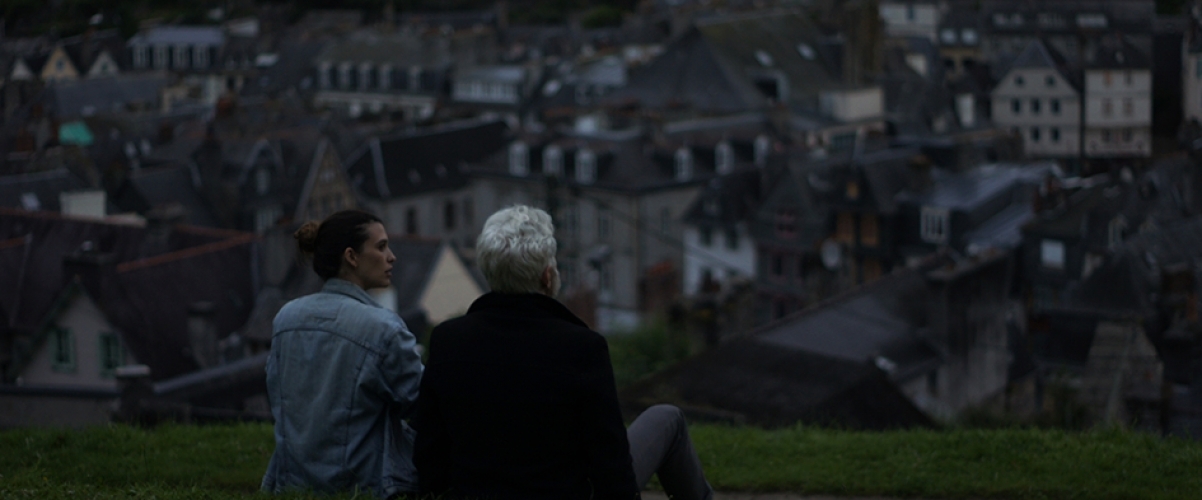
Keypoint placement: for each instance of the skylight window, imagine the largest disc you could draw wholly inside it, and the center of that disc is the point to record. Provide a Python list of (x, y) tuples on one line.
[(29, 201), (806, 51), (763, 57)]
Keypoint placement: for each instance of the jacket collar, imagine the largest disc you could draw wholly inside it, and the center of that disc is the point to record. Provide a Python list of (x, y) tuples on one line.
[(536, 301), (344, 287)]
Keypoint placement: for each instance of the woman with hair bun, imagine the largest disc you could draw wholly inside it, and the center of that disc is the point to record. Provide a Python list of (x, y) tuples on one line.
[(343, 372)]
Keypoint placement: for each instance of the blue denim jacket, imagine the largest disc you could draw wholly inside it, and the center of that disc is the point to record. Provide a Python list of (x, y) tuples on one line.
[(342, 374)]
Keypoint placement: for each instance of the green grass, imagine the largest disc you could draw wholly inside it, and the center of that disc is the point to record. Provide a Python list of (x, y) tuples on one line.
[(219, 462)]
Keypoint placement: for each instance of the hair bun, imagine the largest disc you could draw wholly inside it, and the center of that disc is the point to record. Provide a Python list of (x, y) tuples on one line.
[(306, 237)]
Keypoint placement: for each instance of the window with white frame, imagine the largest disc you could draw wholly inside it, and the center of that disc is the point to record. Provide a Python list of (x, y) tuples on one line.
[(519, 159), (762, 146), (385, 77), (586, 166), (933, 226), (683, 164), (160, 56), (344, 75), (724, 158), (181, 57), (141, 56), (364, 76), (200, 57), (1051, 254), (323, 74), (553, 161)]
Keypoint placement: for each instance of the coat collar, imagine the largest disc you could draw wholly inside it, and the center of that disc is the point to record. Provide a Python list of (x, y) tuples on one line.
[(344, 287), (537, 301)]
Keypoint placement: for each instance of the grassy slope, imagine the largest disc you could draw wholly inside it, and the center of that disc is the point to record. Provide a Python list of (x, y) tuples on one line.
[(228, 461)]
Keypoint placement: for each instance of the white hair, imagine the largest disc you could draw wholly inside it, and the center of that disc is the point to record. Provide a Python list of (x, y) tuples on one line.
[(516, 245)]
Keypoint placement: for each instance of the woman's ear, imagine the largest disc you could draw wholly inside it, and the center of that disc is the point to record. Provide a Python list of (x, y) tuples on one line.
[(350, 257)]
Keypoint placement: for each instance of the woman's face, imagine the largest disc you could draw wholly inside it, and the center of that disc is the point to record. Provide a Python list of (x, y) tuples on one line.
[(371, 267)]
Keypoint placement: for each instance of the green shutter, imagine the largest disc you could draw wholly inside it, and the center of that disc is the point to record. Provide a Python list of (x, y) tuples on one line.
[(62, 353), (111, 354)]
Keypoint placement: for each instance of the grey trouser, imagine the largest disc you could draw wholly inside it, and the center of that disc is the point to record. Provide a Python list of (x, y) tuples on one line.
[(660, 444)]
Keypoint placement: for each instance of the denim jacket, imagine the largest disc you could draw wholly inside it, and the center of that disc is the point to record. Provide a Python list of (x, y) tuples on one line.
[(342, 374)]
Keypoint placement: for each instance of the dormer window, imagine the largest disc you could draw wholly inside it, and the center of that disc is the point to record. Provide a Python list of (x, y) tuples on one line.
[(806, 51), (323, 74), (160, 56), (519, 159), (1018, 80), (684, 164), (763, 146), (968, 36), (200, 57), (344, 75), (385, 77), (724, 158), (415, 76), (364, 76), (553, 161), (764, 58), (947, 36), (181, 57), (934, 225), (586, 166)]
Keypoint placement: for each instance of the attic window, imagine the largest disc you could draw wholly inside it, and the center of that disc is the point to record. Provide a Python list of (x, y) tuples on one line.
[(968, 36), (724, 158), (762, 147), (553, 161), (1051, 254), (29, 201), (586, 166), (684, 164), (806, 51), (519, 159), (440, 171), (414, 177), (947, 36), (934, 225), (764, 58)]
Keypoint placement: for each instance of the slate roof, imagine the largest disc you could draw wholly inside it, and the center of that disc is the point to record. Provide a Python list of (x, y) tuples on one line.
[(713, 66), (423, 161), (175, 35), (402, 50), (145, 295), (966, 190), (1118, 53), (38, 190), (1038, 54), (819, 366), (105, 95), (149, 188)]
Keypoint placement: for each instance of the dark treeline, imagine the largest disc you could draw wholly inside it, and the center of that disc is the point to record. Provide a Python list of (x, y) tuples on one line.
[(71, 17)]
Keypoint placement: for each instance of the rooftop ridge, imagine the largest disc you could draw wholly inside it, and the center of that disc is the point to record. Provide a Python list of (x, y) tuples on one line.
[(186, 253)]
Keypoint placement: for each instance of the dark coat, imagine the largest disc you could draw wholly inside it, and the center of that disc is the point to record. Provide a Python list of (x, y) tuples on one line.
[(518, 401)]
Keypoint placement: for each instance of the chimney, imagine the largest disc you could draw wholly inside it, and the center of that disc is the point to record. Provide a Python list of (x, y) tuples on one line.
[(202, 333)]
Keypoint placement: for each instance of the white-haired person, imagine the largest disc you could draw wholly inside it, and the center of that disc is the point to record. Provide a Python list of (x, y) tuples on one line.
[(518, 398)]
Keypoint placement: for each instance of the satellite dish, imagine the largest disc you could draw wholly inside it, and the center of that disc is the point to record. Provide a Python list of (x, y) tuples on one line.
[(832, 254)]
